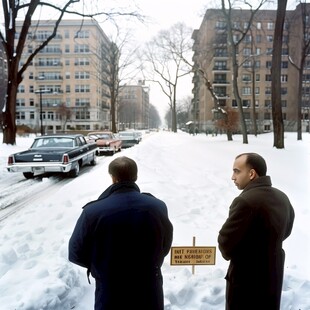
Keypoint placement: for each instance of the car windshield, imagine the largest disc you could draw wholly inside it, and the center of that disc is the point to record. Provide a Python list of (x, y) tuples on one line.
[(126, 134), (53, 142)]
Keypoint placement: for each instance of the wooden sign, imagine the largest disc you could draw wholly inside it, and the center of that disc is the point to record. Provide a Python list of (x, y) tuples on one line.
[(194, 255)]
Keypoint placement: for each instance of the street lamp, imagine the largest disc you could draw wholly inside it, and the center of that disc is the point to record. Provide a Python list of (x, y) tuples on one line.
[(42, 91)]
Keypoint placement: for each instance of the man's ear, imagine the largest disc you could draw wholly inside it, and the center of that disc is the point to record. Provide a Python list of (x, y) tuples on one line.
[(253, 174), (114, 179)]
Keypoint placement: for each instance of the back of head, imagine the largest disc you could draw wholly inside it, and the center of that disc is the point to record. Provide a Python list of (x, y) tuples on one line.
[(256, 162), (123, 169)]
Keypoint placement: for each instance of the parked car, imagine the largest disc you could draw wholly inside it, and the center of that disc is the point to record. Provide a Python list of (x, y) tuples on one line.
[(54, 154), (129, 138), (107, 142)]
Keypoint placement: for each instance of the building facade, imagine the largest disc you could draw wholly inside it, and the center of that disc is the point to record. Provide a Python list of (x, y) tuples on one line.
[(65, 83), (254, 57), (134, 106)]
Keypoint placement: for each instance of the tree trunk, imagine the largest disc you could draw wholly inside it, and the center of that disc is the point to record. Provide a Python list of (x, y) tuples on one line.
[(9, 123), (278, 126)]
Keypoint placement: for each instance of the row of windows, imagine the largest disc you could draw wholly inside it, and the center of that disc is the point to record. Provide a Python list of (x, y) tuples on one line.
[(221, 78), (221, 91), (50, 115), (56, 89), (44, 34), (248, 64), (238, 25), (51, 102)]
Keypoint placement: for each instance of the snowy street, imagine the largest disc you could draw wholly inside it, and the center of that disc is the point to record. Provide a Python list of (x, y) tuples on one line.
[(192, 175)]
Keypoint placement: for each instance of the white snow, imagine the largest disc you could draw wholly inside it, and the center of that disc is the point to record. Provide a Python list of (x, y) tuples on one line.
[(192, 175)]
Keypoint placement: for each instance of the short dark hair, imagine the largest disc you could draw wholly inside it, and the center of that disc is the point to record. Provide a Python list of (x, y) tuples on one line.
[(123, 169), (256, 162)]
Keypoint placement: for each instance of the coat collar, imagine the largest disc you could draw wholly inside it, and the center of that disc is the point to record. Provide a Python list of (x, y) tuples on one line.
[(119, 187), (261, 181)]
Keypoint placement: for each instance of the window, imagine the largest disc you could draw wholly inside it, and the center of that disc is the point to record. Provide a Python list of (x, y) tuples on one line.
[(258, 38), (84, 75), (257, 77), (284, 78), (269, 51), (269, 38), (257, 90), (82, 88), (220, 25), (20, 102), (283, 90), (268, 91), (268, 64), (246, 51), (268, 104), (220, 65), (248, 39), (246, 90), (268, 77), (67, 48), (247, 64), (258, 51), (259, 25), (21, 89), (68, 89), (246, 77), (270, 26), (284, 64), (81, 48), (246, 103), (257, 63), (285, 51), (83, 102), (20, 115), (82, 34)]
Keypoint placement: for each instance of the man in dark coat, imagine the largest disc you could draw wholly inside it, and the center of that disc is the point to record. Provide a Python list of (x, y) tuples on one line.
[(260, 218), (122, 239)]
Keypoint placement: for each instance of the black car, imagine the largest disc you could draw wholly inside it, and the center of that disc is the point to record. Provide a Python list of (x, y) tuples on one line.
[(54, 154)]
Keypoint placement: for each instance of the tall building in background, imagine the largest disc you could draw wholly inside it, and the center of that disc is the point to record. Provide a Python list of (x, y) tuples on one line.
[(66, 81), (134, 106), (211, 53)]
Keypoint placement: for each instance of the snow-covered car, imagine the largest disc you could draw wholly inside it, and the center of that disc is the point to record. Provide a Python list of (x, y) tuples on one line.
[(107, 142), (54, 154), (129, 138)]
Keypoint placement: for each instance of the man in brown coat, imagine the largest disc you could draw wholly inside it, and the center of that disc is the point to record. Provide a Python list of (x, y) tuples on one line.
[(260, 218)]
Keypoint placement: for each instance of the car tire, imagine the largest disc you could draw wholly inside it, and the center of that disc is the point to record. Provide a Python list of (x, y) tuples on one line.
[(75, 171), (93, 162), (28, 175)]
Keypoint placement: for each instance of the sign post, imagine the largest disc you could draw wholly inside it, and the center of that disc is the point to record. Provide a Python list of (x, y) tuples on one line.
[(193, 255)]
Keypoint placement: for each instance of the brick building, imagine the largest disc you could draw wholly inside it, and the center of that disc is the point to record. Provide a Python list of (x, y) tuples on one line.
[(254, 56), (66, 81)]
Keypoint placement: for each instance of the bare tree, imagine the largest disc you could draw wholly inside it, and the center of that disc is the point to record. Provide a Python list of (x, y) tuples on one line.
[(236, 35), (64, 114), (166, 54), (119, 59), (278, 126), (298, 60), (15, 48)]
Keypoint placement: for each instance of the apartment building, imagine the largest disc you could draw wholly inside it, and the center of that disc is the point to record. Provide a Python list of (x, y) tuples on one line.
[(134, 106), (254, 56), (66, 82)]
